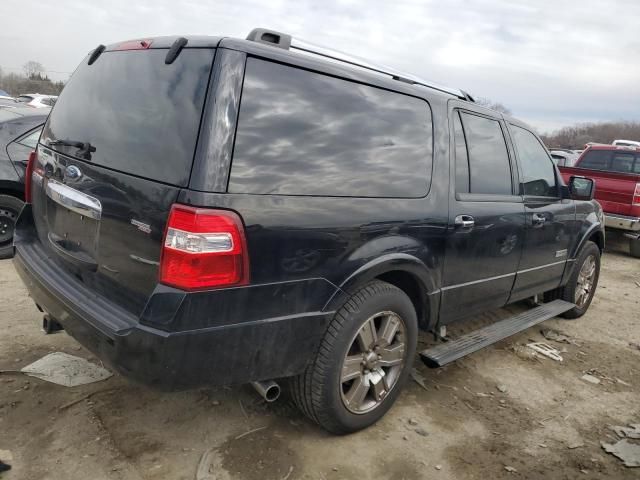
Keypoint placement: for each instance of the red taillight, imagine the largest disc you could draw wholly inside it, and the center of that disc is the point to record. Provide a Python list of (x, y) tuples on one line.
[(31, 170), (203, 248), (636, 196)]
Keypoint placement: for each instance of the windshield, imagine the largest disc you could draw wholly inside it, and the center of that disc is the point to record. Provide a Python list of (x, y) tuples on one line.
[(141, 115)]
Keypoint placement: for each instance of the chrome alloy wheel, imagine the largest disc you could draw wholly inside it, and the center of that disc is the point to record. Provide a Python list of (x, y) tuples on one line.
[(374, 362), (584, 285)]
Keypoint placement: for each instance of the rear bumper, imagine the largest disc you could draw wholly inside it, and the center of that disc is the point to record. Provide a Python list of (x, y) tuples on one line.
[(622, 222), (217, 355)]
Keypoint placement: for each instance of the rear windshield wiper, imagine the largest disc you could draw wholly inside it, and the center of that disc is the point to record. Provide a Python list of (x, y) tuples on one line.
[(85, 149)]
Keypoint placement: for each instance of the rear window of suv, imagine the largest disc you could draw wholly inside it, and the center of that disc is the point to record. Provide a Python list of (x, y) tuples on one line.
[(141, 115), (304, 133)]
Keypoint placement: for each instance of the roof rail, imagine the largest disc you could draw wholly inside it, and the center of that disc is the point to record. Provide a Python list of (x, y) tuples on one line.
[(287, 42)]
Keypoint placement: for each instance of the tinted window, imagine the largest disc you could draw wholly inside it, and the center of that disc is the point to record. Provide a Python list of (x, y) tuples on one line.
[(462, 157), (141, 115), (24, 98), (622, 162), (489, 168), (596, 160), (303, 133), (31, 140), (538, 173)]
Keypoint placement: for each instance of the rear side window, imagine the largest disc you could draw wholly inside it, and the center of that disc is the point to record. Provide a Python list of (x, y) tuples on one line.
[(141, 115), (304, 133), (489, 168), (538, 172), (622, 162), (596, 160)]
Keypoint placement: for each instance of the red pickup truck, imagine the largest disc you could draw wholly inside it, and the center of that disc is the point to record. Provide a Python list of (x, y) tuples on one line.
[(616, 171)]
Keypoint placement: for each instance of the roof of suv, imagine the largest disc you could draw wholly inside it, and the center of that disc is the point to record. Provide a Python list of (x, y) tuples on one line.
[(287, 48)]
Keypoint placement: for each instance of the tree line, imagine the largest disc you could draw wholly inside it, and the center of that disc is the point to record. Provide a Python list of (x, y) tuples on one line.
[(33, 80), (576, 136)]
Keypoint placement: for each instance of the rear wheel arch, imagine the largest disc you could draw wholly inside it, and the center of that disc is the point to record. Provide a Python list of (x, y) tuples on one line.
[(406, 272), (412, 287)]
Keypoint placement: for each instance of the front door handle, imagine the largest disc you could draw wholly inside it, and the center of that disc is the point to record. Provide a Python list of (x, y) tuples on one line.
[(464, 221), (537, 219)]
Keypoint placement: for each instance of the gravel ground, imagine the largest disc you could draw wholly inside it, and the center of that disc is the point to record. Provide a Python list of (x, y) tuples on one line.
[(497, 414)]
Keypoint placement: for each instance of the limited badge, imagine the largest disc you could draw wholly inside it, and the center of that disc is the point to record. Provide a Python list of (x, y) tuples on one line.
[(143, 227)]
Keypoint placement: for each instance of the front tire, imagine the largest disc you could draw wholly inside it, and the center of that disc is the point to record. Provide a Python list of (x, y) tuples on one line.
[(582, 284), (363, 361)]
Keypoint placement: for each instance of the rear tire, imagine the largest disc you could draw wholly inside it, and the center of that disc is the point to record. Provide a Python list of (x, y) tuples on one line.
[(634, 247), (10, 208), (582, 284), (352, 382)]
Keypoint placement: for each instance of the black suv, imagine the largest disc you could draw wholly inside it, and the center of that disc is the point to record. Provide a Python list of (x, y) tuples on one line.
[(210, 211)]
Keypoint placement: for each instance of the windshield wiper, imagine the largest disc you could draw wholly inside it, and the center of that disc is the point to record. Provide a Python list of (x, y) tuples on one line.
[(85, 149)]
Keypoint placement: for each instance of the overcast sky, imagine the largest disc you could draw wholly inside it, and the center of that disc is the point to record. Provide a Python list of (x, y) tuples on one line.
[(552, 62)]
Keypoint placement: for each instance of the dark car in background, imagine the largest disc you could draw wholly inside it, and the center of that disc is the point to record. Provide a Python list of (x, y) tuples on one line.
[(20, 129)]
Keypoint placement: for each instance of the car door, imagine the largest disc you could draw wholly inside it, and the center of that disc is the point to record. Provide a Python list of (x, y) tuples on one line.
[(486, 218), (549, 218)]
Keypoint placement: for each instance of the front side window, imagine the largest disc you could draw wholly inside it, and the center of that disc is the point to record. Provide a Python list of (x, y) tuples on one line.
[(489, 168), (538, 172), (305, 133)]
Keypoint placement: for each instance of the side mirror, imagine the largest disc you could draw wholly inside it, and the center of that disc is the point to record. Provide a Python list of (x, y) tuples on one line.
[(582, 188)]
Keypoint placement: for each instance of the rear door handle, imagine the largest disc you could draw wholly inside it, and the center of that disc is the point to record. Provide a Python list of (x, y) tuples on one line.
[(464, 221)]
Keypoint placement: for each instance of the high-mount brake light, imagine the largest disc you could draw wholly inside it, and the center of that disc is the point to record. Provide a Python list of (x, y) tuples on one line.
[(203, 248), (142, 44)]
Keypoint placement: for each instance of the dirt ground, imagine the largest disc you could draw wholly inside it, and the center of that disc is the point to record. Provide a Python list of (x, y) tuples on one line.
[(547, 423)]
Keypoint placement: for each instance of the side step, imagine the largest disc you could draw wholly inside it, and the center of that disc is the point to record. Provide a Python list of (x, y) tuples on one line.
[(452, 350)]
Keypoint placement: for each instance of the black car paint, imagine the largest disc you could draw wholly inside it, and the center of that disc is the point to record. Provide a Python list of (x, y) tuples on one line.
[(13, 155), (306, 252)]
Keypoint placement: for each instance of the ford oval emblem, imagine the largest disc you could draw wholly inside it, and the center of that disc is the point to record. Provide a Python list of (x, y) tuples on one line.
[(72, 172)]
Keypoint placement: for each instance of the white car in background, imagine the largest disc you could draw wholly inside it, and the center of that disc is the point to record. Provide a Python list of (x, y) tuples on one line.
[(564, 158), (37, 100), (626, 143)]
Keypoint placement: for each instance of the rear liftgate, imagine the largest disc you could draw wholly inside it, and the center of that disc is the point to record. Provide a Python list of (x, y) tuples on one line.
[(452, 350)]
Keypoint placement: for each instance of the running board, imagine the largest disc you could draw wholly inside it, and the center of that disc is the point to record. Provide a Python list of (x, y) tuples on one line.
[(452, 350)]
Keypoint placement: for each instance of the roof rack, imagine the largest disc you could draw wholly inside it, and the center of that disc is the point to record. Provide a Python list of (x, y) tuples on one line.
[(287, 42)]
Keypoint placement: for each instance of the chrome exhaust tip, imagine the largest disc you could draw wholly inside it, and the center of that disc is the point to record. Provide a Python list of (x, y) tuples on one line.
[(269, 390)]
